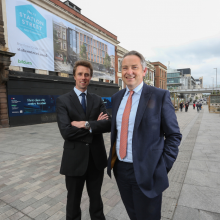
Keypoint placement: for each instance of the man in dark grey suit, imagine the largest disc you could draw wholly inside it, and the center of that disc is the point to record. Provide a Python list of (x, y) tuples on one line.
[(82, 118)]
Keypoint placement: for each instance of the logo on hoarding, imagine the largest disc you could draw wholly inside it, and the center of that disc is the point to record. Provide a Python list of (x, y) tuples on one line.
[(31, 22), (24, 62)]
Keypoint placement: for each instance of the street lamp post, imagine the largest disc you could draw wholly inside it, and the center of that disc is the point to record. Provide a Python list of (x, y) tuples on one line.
[(213, 83), (216, 77)]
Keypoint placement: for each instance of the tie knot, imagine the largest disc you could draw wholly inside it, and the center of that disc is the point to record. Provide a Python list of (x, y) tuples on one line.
[(83, 94), (131, 93)]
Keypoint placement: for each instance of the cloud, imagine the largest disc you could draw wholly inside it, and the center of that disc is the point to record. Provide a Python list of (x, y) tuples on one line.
[(201, 56)]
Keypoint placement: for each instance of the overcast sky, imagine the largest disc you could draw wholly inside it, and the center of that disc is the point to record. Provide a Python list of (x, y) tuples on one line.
[(184, 32)]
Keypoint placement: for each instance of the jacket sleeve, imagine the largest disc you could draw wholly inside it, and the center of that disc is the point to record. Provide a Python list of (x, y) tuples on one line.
[(171, 131), (68, 131), (102, 126)]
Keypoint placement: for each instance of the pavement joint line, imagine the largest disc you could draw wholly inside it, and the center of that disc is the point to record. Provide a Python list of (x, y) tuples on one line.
[(16, 209), (196, 124)]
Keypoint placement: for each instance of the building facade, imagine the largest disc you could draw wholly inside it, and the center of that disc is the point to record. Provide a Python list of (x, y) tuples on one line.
[(149, 77), (160, 78)]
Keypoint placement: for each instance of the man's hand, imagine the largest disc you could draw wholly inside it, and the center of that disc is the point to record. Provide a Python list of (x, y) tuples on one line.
[(102, 117), (78, 124)]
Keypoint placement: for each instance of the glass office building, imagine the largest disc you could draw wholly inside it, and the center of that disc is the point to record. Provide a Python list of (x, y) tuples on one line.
[(174, 78)]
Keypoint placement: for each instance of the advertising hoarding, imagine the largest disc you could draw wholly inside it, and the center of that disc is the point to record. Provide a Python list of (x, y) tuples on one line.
[(42, 40), (19, 105)]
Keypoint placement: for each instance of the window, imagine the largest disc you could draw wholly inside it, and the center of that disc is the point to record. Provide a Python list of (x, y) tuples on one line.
[(97, 59), (87, 40), (64, 45), (94, 50), (120, 83), (103, 54), (119, 65), (94, 58), (81, 37), (64, 36), (84, 38), (102, 46), (58, 34), (89, 56)]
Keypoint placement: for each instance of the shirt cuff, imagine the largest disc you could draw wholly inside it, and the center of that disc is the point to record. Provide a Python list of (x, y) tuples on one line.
[(90, 130)]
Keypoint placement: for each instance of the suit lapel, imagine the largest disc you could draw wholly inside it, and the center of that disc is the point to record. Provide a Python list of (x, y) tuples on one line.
[(89, 100), (145, 96), (77, 105), (116, 105)]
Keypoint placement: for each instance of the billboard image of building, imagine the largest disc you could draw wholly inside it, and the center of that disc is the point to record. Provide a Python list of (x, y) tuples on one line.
[(42, 40)]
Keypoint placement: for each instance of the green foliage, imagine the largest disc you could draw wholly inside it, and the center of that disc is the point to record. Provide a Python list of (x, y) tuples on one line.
[(55, 41), (83, 54), (107, 61)]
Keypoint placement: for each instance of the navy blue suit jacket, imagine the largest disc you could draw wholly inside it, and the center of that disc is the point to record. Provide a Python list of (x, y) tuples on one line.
[(156, 138)]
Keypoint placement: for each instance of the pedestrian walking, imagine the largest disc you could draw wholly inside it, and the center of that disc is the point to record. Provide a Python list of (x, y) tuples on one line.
[(197, 105), (194, 105), (186, 107), (181, 106), (200, 106)]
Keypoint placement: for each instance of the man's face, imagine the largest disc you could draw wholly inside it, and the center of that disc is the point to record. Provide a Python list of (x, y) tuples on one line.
[(132, 72), (82, 77)]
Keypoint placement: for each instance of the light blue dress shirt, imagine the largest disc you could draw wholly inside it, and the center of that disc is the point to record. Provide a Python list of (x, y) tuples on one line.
[(135, 101), (78, 93)]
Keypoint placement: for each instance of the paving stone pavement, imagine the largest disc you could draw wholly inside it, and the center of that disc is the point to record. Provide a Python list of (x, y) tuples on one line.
[(32, 188)]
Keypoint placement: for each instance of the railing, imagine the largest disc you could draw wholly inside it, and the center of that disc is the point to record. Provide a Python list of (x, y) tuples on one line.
[(196, 87)]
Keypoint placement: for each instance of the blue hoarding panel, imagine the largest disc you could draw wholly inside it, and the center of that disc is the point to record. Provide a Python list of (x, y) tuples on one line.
[(107, 101), (19, 105)]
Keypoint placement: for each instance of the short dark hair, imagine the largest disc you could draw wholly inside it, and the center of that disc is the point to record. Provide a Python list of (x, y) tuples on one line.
[(82, 63)]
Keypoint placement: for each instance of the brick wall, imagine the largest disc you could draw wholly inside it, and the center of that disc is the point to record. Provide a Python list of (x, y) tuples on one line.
[(4, 122)]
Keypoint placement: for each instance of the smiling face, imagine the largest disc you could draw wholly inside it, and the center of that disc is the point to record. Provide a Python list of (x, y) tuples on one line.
[(132, 71), (82, 77)]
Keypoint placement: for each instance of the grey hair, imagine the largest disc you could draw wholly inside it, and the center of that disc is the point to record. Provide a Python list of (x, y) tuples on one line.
[(135, 53)]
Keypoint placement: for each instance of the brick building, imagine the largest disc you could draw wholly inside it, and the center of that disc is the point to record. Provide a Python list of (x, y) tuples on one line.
[(160, 78)]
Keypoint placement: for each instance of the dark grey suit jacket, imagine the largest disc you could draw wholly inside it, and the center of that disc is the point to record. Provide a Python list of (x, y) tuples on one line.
[(79, 143)]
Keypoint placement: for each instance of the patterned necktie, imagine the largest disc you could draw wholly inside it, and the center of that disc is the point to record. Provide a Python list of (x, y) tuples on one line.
[(83, 102), (124, 127)]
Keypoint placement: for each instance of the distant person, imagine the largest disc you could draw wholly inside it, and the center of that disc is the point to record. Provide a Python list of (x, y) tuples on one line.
[(181, 106), (186, 107), (200, 106), (197, 105), (194, 105)]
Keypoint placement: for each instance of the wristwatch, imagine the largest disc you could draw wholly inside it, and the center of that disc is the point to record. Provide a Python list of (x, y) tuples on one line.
[(87, 125)]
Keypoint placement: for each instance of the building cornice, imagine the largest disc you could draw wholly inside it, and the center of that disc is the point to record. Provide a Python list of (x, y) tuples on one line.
[(72, 18), (159, 64), (121, 51)]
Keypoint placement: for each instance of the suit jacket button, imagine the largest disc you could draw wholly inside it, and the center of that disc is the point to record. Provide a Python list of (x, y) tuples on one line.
[(87, 144)]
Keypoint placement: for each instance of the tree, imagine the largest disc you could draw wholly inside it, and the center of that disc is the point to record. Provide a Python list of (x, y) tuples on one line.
[(107, 61), (55, 41), (83, 54)]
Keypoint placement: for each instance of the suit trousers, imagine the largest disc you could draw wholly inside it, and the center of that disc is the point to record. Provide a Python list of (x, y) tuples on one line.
[(74, 184), (137, 204)]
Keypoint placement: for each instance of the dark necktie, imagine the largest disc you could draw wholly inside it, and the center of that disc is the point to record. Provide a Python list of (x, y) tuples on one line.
[(83, 102)]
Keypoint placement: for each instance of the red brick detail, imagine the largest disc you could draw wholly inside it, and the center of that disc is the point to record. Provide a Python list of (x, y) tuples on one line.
[(62, 5), (4, 123)]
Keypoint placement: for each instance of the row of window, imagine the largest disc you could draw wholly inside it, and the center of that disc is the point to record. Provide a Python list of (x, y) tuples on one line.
[(94, 50), (92, 42), (95, 58)]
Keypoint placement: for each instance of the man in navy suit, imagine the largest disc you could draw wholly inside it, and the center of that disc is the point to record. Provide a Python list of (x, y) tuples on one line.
[(144, 141)]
